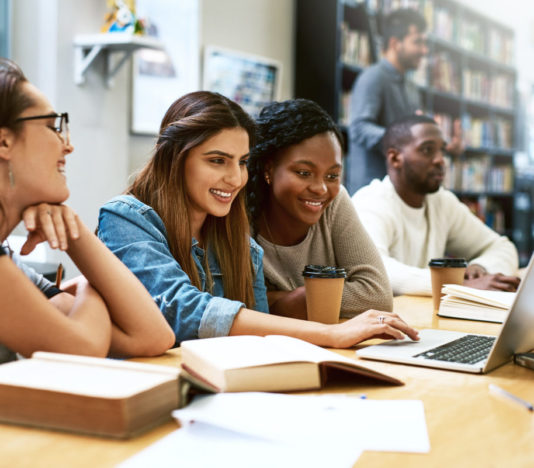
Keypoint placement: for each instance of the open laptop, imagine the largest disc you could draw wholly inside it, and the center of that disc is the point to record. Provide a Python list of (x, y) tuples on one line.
[(463, 351)]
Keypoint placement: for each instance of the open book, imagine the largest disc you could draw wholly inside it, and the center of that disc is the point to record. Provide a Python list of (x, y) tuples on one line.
[(88, 395), (272, 363), (475, 304)]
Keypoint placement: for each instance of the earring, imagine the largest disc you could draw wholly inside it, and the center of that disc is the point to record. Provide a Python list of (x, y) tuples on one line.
[(10, 175), (267, 179)]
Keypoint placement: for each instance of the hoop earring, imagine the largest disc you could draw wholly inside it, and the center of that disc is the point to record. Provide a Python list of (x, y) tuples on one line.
[(10, 175)]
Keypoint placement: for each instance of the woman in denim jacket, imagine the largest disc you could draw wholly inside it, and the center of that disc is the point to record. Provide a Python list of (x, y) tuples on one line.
[(182, 229)]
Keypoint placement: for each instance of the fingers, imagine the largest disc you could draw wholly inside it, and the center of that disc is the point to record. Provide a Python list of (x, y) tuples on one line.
[(51, 223), (391, 324)]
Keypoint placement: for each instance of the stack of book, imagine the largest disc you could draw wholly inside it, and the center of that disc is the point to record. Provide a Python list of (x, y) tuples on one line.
[(475, 304)]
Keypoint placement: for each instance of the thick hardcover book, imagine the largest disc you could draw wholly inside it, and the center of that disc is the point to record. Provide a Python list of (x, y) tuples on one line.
[(271, 363), (87, 395), (475, 304)]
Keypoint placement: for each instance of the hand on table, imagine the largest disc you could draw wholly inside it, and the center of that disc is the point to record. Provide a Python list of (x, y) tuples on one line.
[(54, 224), (369, 325), (494, 282)]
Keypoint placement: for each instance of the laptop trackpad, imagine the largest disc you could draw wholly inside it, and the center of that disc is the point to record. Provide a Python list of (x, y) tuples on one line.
[(406, 348)]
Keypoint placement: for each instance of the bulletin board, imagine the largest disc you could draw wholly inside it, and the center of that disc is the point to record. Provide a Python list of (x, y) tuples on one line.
[(251, 81)]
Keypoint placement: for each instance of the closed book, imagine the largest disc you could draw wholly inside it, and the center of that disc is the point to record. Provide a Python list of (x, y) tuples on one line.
[(270, 364), (88, 395), (475, 304)]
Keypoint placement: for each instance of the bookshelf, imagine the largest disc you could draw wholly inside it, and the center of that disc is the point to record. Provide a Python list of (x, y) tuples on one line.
[(467, 75)]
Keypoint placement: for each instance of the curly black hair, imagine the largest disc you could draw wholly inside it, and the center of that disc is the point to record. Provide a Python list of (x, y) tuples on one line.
[(280, 125)]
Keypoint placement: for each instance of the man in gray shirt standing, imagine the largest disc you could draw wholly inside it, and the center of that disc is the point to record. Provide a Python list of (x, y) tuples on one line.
[(381, 95)]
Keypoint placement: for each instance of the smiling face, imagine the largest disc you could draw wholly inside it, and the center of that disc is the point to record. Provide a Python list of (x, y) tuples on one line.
[(215, 172), (305, 178), (38, 156)]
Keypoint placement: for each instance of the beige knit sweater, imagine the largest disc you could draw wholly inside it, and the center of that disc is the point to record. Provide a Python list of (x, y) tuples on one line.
[(338, 239)]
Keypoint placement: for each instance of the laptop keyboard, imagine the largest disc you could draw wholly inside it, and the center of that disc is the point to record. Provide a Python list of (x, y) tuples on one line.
[(468, 349)]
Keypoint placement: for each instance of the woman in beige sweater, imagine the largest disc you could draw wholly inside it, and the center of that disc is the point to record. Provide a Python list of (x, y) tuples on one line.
[(301, 214)]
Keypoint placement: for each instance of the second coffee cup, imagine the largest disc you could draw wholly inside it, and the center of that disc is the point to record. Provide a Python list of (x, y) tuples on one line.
[(324, 290), (445, 271)]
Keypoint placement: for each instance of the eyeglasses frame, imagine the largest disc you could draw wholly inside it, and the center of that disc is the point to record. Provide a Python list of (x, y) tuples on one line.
[(59, 130)]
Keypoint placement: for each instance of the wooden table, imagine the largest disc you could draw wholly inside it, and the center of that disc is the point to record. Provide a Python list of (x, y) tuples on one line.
[(467, 425)]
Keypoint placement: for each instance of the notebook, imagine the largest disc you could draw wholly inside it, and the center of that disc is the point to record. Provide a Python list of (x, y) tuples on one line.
[(474, 353)]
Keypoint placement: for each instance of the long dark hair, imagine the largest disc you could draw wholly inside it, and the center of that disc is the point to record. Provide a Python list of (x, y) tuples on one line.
[(280, 125), (190, 121)]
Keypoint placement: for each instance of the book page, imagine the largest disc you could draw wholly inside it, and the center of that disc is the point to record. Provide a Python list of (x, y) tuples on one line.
[(308, 351), (234, 352), (76, 378), (501, 299)]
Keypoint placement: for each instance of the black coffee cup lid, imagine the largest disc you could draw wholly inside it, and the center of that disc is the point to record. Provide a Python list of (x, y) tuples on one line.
[(323, 271), (448, 262)]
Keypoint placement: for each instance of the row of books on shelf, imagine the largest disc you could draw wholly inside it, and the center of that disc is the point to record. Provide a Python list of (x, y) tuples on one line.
[(496, 133), (497, 90), (443, 74), (490, 211), (472, 35), (477, 174), (355, 46), (479, 132)]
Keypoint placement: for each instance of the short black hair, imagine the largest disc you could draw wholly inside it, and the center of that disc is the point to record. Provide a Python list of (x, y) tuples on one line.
[(399, 132), (280, 125), (398, 22)]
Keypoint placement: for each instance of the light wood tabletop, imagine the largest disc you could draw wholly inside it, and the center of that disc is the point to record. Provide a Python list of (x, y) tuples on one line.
[(467, 425)]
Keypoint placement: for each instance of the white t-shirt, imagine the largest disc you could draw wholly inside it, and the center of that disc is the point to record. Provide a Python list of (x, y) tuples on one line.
[(407, 238)]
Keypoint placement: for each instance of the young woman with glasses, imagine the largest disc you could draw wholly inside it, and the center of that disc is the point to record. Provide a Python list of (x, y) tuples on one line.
[(183, 230), (110, 311)]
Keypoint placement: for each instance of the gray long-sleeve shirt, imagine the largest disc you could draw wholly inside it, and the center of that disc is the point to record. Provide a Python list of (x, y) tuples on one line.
[(380, 95)]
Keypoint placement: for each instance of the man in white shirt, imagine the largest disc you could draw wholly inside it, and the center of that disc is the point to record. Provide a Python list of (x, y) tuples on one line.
[(412, 219)]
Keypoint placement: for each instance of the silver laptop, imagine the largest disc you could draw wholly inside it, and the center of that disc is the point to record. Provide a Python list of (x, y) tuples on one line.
[(463, 351)]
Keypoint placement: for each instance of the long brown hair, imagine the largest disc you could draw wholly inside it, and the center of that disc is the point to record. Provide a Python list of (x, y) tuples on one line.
[(13, 101), (190, 121)]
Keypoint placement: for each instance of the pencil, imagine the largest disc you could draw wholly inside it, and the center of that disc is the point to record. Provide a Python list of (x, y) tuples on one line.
[(59, 274)]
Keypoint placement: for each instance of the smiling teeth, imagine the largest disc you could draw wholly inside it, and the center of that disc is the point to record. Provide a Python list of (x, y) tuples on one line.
[(313, 203), (221, 194)]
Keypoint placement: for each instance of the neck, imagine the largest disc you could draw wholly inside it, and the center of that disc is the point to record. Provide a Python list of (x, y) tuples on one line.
[(281, 229), (411, 198), (10, 216), (196, 221), (392, 58)]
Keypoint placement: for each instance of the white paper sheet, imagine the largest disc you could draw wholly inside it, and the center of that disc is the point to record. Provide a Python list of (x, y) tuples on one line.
[(198, 445), (385, 425), (266, 430)]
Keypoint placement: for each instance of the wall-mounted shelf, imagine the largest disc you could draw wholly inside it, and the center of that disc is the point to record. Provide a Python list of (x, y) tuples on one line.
[(88, 47)]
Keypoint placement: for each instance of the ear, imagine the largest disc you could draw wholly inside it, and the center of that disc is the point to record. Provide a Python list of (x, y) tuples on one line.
[(268, 170), (394, 158), (7, 139), (393, 43)]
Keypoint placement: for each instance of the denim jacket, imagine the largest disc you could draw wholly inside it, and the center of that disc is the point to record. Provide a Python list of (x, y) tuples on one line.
[(135, 233)]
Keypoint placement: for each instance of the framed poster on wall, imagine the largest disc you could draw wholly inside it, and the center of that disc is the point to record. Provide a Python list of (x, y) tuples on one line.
[(161, 77), (249, 80)]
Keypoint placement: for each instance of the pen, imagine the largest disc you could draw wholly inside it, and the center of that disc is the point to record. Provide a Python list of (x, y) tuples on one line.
[(499, 391), (59, 274)]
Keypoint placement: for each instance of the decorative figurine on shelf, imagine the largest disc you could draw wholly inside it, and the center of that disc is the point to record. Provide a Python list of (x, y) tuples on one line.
[(122, 18)]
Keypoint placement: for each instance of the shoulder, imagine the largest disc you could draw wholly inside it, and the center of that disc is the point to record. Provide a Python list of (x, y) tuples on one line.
[(378, 191), (133, 213)]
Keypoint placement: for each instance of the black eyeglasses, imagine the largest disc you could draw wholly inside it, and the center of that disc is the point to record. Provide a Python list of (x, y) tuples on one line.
[(61, 124)]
